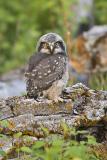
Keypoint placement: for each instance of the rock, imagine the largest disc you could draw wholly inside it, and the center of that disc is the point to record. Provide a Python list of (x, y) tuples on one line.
[(91, 51), (96, 45), (82, 107), (95, 33)]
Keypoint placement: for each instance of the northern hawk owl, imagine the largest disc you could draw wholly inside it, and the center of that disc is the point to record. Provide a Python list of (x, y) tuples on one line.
[(47, 72)]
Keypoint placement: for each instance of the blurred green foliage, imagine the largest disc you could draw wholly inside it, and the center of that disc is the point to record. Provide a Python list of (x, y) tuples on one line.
[(55, 146), (100, 11), (22, 22), (98, 81)]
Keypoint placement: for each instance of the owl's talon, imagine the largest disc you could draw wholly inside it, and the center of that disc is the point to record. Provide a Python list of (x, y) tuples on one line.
[(58, 99), (40, 99)]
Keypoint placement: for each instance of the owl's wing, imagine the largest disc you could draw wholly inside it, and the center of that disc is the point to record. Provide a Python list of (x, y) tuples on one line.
[(46, 70), (34, 60)]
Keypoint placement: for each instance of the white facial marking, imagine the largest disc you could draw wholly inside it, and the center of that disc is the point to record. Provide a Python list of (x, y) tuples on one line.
[(56, 50), (43, 50)]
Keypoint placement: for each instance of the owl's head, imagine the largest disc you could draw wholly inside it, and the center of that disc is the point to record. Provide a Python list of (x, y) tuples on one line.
[(51, 43)]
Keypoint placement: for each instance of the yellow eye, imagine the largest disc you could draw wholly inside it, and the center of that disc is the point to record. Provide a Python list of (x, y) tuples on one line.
[(45, 45)]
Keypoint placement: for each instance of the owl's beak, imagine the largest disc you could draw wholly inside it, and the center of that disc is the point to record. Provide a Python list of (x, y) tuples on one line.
[(51, 48)]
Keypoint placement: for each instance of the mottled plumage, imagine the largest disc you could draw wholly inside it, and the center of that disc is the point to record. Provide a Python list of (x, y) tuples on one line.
[(47, 72)]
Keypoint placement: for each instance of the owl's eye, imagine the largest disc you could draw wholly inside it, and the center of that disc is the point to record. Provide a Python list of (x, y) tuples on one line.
[(45, 45), (57, 44)]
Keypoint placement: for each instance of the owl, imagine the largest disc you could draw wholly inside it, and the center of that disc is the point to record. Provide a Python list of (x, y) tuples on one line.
[(47, 72)]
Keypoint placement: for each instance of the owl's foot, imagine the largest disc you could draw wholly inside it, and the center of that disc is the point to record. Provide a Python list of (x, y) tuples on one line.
[(40, 99), (58, 99)]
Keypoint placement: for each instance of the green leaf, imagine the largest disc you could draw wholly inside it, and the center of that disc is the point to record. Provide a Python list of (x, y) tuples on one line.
[(45, 130), (38, 144), (26, 149), (57, 142), (18, 135), (2, 153), (4, 123), (91, 140)]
